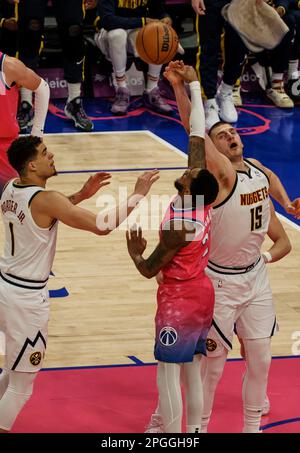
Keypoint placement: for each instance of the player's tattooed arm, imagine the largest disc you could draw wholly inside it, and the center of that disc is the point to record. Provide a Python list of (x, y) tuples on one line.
[(196, 156), (170, 243)]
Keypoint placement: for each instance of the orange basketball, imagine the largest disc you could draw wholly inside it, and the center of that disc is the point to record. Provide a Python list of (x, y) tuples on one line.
[(156, 43)]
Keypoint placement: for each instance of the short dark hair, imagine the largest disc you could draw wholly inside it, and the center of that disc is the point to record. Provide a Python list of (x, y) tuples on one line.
[(219, 123), (205, 184), (21, 151)]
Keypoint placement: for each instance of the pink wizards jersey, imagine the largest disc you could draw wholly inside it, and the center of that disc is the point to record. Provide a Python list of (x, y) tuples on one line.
[(8, 106), (190, 261)]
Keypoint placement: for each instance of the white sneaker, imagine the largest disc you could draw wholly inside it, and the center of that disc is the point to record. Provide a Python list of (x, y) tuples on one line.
[(266, 406), (236, 96), (155, 425), (278, 95), (211, 110), (227, 110)]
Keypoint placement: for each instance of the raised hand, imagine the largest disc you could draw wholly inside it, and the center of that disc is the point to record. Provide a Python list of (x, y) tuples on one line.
[(294, 208), (94, 183), (145, 181), (136, 244)]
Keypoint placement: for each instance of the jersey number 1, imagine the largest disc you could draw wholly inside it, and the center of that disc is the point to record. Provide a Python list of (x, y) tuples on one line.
[(256, 218), (11, 228)]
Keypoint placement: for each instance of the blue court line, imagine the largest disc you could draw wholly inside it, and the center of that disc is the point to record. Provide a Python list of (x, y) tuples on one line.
[(121, 169), (281, 422), (138, 362)]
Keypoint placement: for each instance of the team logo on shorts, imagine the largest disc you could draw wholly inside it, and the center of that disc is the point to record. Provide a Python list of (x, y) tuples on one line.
[(168, 336), (35, 358), (211, 345)]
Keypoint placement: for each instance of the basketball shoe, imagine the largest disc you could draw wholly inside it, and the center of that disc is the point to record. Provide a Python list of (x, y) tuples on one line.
[(74, 110), (25, 115), (155, 425), (121, 102), (154, 101)]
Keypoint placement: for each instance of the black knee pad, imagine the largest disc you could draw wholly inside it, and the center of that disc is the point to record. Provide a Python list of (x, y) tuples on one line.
[(35, 25), (74, 31)]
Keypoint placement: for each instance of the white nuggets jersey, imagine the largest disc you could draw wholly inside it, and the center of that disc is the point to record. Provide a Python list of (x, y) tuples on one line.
[(240, 223), (29, 249)]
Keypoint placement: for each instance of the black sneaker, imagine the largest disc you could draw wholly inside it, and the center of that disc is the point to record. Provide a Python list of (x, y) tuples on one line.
[(293, 89), (25, 115), (74, 111)]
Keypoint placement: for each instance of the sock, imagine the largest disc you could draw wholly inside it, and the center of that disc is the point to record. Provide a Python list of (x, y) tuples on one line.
[(26, 95), (193, 428), (293, 73), (225, 89), (74, 90), (277, 76), (151, 83), (121, 81)]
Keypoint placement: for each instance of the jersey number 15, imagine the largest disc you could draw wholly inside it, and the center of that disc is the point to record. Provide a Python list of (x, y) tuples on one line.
[(256, 218)]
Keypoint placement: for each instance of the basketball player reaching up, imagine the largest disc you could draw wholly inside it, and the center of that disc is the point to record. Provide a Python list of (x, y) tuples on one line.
[(14, 74), (185, 296), (30, 214), (240, 221)]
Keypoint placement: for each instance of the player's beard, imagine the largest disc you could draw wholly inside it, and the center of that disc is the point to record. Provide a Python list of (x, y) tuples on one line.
[(178, 186)]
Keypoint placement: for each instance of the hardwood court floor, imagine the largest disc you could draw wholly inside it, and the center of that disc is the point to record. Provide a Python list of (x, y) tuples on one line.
[(110, 309)]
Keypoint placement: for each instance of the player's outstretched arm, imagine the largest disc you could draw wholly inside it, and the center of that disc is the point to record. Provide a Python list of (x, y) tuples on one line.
[(170, 242), (49, 205), (193, 119), (281, 243), (16, 71), (278, 192)]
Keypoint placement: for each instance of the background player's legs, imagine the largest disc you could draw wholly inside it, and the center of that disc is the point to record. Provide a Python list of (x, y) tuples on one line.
[(193, 394), (16, 395), (213, 371), (69, 16), (258, 359), (170, 399), (31, 26)]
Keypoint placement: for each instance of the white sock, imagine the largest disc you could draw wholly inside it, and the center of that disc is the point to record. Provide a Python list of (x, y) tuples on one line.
[(225, 89), (121, 81), (153, 77), (277, 76), (293, 73), (193, 428), (26, 95), (74, 91)]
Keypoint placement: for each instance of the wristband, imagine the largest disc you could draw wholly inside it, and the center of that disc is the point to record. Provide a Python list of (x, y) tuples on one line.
[(267, 256)]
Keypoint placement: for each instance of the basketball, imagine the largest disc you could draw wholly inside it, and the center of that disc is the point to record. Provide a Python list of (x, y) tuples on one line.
[(156, 43)]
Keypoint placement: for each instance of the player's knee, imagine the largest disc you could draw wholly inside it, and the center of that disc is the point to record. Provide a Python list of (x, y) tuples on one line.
[(75, 31), (117, 38), (35, 25)]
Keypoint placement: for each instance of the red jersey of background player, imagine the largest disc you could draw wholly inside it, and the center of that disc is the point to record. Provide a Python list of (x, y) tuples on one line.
[(190, 261), (8, 106)]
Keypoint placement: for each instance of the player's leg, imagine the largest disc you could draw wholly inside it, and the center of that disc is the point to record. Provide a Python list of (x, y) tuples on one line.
[(31, 26), (258, 358), (170, 398), (193, 394), (213, 370), (16, 395), (255, 327), (69, 16)]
